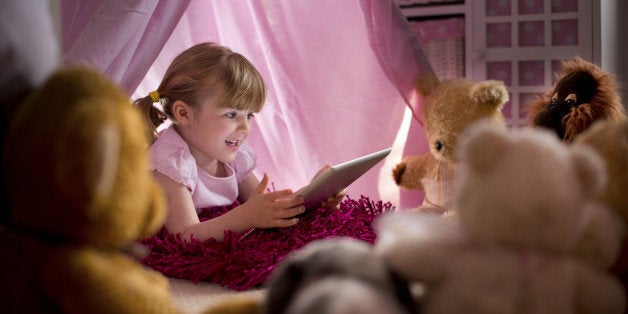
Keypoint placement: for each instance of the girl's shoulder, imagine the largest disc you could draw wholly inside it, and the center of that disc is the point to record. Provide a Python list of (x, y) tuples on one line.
[(171, 156), (169, 141)]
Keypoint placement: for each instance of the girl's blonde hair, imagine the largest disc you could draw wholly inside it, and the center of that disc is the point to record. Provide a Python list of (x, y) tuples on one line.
[(191, 76)]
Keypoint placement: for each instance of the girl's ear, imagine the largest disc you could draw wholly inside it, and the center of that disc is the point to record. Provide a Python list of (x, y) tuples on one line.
[(182, 112)]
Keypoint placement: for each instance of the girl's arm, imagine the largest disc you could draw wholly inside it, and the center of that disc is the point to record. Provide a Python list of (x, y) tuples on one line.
[(261, 210)]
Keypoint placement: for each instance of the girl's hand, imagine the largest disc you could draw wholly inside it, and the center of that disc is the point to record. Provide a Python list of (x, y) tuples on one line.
[(272, 209), (332, 202)]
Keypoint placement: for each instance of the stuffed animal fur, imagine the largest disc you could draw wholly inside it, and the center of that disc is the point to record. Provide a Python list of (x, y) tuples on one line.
[(584, 94), (338, 275), (449, 107), (610, 140), (527, 238), (236, 303), (80, 195)]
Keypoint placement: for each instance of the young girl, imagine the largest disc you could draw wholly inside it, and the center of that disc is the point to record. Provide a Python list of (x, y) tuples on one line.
[(202, 160), (204, 165)]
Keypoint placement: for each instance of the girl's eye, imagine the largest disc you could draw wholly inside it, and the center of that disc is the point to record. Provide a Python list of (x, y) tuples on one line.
[(250, 116), (231, 115)]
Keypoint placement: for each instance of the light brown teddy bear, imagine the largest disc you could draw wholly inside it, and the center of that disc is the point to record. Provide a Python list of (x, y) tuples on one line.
[(449, 107), (80, 194), (610, 140), (527, 237)]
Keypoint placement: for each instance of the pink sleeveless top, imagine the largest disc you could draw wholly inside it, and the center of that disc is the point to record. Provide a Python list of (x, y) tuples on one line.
[(171, 156)]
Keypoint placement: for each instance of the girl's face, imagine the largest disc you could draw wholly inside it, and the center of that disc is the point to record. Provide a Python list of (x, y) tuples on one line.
[(214, 133)]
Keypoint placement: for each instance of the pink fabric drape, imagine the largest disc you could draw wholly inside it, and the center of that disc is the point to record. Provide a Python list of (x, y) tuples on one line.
[(339, 75), (120, 38)]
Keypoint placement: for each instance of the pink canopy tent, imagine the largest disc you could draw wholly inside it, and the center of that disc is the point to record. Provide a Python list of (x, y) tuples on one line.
[(339, 74)]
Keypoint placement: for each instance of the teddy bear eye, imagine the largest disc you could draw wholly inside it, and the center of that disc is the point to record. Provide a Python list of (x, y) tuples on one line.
[(438, 145), (553, 103)]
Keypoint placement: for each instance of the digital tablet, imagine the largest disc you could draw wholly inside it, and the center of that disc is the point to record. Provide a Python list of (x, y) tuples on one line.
[(338, 177)]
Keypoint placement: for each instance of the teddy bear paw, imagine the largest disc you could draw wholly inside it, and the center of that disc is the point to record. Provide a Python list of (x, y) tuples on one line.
[(398, 172)]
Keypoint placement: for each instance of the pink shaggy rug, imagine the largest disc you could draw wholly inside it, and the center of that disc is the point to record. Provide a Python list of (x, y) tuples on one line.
[(244, 261)]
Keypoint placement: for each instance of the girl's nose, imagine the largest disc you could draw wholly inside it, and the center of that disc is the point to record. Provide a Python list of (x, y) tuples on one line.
[(245, 125)]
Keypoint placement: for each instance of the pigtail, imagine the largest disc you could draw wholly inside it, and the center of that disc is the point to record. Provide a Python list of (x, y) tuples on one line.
[(153, 117)]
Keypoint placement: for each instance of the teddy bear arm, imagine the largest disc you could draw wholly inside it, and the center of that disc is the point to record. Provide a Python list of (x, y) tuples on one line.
[(90, 281), (409, 172), (600, 237), (419, 247), (418, 262)]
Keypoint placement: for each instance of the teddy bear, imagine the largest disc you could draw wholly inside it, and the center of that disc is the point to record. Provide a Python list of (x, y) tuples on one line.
[(528, 236), (449, 107), (80, 194), (609, 139), (583, 94), (336, 275)]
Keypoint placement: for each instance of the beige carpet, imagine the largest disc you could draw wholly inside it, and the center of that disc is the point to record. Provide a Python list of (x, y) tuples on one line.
[(193, 298)]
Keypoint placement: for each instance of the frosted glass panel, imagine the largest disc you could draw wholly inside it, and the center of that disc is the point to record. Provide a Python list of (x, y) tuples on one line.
[(531, 34), (559, 6), (498, 34), (497, 7), (565, 32), (530, 7), (531, 73), (556, 70), (499, 70)]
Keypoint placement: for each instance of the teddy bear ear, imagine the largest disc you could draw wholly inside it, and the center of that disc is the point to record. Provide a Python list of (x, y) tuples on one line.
[(490, 93), (482, 144), (426, 83), (589, 168)]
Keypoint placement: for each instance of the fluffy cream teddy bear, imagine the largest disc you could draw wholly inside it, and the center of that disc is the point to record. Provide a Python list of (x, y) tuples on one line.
[(527, 237)]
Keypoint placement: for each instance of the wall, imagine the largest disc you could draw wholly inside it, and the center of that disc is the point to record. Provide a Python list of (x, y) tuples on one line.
[(614, 41)]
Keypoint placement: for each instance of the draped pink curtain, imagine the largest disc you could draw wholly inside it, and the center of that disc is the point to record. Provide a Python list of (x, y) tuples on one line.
[(121, 38), (339, 74)]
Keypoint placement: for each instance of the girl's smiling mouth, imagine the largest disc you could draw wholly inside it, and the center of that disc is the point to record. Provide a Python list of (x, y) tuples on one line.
[(232, 143)]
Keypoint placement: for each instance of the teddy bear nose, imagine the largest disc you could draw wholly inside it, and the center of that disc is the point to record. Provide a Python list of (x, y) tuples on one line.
[(438, 145)]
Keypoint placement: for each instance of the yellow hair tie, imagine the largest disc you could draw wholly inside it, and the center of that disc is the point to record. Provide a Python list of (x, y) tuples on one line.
[(154, 95)]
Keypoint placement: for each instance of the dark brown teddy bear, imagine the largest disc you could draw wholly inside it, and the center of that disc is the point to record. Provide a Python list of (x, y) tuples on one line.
[(584, 94)]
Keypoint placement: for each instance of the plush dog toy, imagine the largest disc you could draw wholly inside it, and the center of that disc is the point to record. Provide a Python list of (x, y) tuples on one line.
[(336, 275), (527, 236), (80, 194), (449, 107), (584, 94)]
